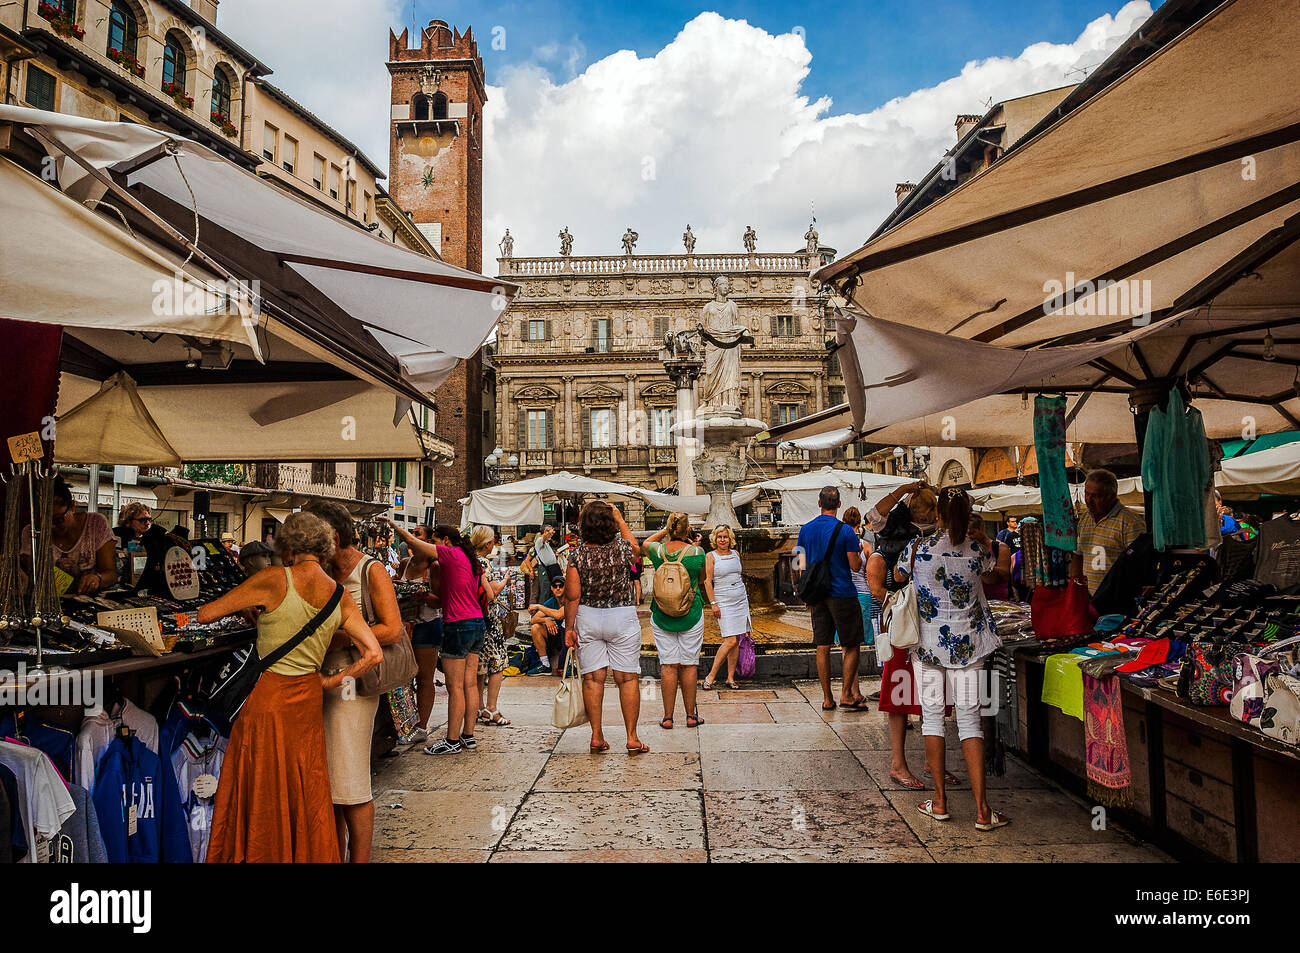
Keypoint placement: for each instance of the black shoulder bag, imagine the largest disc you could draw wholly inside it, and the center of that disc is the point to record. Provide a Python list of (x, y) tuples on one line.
[(816, 584), (230, 694)]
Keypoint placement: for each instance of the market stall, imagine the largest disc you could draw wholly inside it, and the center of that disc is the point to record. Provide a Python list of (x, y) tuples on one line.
[(1124, 272), (798, 493)]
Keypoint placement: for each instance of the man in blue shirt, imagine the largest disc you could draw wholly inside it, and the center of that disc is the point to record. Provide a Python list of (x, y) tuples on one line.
[(841, 612)]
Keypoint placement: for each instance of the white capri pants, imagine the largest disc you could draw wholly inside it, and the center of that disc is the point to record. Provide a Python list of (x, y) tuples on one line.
[(609, 638), (679, 648), (962, 686)]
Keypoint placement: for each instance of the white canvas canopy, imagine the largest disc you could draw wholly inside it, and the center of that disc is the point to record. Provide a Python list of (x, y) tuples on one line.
[(305, 378), (1275, 471), (697, 505), (1019, 500), (799, 492), (520, 503)]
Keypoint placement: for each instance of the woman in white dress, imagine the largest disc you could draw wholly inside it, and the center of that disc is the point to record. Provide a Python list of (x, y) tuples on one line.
[(729, 601)]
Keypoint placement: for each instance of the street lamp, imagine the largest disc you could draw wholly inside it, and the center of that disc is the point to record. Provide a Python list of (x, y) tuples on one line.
[(496, 464), (914, 464)]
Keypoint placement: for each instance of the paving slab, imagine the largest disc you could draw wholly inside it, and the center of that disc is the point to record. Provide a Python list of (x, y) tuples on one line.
[(793, 713), (1038, 817), (784, 770), (467, 771), (821, 855), (537, 739), (461, 820), (429, 855), (746, 713), (617, 771), (797, 737), (578, 740), (1018, 775), (611, 856), (795, 820), (871, 731), (607, 820)]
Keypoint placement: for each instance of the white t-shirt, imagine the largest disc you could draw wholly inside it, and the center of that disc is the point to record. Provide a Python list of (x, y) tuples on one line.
[(96, 735), (44, 801)]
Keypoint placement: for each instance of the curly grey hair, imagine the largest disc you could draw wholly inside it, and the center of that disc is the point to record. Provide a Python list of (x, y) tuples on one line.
[(303, 534)]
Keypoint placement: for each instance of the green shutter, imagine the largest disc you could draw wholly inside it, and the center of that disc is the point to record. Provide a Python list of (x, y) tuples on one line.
[(401, 474), (426, 474), (386, 472)]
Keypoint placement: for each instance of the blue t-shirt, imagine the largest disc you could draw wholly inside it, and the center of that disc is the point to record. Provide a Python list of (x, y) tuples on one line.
[(813, 540), (551, 603)]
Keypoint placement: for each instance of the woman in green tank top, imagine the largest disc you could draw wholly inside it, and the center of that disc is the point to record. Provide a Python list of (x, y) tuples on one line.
[(679, 639)]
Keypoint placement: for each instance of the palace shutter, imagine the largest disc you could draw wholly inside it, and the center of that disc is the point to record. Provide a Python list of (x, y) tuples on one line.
[(586, 428), (776, 325), (801, 410), (797, 323), (595, 335), (661, 327), (521, 437), (548, 329), (523, 330), (550, 429), (774, 419)]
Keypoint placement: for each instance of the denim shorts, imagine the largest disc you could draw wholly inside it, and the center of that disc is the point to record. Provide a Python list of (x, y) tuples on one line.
[(427, 635), (463, 638)]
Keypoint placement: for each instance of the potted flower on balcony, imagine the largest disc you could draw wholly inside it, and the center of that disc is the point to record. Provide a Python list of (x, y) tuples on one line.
[(61, 21), (177, 92), (127, 61), (223, 122)]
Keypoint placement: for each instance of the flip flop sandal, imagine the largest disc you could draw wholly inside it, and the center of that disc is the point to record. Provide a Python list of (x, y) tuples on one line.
[(733, 686), (603, 746), (831, 707), (643, 748), (911, 784), (707, 686), (949, 779), (694, 718), (666, 724), (996, 820), (856, 706), (498, 719), (927, 808)]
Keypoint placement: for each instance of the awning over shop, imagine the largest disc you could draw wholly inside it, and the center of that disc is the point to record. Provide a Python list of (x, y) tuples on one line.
[(799, 492), (697, 505), (520, 503), (1275, 472)]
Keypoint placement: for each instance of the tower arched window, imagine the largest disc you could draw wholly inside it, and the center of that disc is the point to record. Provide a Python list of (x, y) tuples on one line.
[(220, 93), (439, 106), (123, 34), (174, 64), (420, 106)]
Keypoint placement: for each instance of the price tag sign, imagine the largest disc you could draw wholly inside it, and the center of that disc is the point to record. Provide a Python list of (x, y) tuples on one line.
[(26, 447), (182, 579), (205, 786)]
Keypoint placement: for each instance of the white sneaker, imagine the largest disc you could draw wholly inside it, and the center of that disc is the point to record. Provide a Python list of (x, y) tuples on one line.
[(414, 738)]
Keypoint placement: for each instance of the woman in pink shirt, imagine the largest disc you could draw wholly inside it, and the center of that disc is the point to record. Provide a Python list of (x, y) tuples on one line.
[(463, 629)]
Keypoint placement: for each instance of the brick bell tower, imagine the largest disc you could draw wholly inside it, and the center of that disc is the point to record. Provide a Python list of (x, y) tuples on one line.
[(435, 173)]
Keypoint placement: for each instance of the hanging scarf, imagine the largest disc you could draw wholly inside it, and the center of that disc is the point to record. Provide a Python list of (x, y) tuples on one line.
[(1110, 778), (1049, 446)]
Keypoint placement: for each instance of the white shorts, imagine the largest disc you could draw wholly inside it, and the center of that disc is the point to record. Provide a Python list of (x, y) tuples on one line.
[(608, 638), (679, 648)]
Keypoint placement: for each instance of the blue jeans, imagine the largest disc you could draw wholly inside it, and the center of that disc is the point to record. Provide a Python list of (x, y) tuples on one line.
[(427, 635), (463, 638), (868, 630)]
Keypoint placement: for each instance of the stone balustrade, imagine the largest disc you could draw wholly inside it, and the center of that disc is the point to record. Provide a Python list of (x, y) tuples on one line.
[(711, 264)]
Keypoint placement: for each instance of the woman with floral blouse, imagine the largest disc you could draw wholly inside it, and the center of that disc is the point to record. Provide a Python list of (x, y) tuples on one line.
[(957, 634)]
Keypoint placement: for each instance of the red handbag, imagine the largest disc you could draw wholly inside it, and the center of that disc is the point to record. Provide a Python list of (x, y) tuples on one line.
[(1061, 612)]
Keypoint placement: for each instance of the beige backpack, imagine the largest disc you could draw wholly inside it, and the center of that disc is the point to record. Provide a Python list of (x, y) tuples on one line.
[(673, 592)]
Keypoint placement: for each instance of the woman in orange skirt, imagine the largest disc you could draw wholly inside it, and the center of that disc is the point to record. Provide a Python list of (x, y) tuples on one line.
[(273, 797)]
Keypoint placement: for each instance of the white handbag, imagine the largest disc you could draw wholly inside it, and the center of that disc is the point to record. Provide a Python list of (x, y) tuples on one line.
[(901, 618), (1281, 717), (569, 711)]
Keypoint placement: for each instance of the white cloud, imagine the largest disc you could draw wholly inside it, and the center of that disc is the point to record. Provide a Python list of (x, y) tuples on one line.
[(714, 130)]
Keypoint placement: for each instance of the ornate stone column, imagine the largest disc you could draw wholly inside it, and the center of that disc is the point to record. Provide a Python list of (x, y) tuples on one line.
[(684, 370)]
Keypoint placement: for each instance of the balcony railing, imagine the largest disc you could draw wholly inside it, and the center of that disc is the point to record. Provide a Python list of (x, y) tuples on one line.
[(288, 478), (616, 459), (656, 264)]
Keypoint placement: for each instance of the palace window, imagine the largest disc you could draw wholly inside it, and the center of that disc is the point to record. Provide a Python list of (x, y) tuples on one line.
[(600, 335), (40, 89), (174, 64), (318, 172), (602, 428), (788, 413), (661, 422), (537, 430), (785, 326), (270, 138), (122, 31), (289, 159), (221, 93), (537, 330)]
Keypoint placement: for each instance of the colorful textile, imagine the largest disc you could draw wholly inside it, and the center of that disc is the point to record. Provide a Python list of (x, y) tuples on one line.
[(1063, 684), (1110, 778), (401, 702), (1049, 445), (1034, 565), (1175, 470)]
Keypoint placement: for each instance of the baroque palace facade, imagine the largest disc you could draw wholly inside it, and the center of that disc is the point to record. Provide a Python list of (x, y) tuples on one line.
[(579, 382)]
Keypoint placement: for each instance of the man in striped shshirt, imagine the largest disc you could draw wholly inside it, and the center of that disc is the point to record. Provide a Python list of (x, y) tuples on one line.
[(1105, 530)]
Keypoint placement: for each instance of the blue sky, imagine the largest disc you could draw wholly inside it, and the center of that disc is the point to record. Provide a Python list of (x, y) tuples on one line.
[(863, 54)]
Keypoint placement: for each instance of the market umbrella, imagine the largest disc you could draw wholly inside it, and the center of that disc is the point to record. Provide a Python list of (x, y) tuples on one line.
[(521, 502), (1158, 182), (799, 491)]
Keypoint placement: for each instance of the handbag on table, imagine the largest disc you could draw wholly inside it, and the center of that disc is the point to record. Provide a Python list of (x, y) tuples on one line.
[(1206, 676), (398, 666), (569, 711), (228, 698)]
